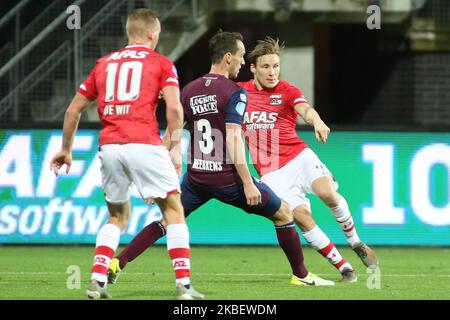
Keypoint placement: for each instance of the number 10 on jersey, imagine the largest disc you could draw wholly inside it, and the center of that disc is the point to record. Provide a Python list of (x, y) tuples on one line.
[(127, 76)]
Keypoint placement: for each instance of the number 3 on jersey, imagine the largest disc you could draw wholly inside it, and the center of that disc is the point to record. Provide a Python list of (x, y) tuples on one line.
[(206, 144), (128, 81)]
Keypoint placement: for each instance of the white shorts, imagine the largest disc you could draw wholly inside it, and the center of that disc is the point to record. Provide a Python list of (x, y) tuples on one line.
[(147, 166), (295, 179)]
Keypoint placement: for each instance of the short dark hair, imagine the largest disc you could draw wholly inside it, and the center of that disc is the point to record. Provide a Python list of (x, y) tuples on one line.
[(223, 42), (263, 47)]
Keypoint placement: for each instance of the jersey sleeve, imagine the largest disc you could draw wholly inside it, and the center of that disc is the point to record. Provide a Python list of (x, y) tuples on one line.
[(169, 75), (296, 97), (236, 107), (88, 88)]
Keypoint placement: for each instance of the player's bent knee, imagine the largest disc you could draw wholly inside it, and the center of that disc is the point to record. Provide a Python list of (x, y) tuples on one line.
[(120, 221), (172, 209), (119, 213), (329, 197), (283, 215), (303, 218), (302, 211), (173, 216), (324, 188)]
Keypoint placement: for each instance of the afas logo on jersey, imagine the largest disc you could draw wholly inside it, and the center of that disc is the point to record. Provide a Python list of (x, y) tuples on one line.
[(275, 100), (128, 54), (260, 117), (260, 120)]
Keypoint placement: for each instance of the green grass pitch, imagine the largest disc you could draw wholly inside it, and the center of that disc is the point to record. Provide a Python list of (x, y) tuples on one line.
[(240, 273)]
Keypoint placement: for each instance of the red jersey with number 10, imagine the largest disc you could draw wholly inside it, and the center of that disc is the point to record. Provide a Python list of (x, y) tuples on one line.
[(269, 125), (126, 85)]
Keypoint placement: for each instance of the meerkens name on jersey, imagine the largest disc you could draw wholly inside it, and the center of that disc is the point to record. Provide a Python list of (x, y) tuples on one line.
[(203, 104), (116, 109), (260, 120), (207, 165)]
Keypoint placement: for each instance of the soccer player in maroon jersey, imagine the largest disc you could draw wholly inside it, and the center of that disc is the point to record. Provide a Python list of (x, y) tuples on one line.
[(286, 163), (126, 85), (214, 107)]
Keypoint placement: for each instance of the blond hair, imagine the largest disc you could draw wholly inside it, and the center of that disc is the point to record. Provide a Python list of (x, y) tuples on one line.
[(139, 21), (263, 47)]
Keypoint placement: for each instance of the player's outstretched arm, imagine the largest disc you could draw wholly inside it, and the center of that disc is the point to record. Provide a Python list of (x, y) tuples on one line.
[(311, 117), (236, 150), (71, 119), (174, 116)]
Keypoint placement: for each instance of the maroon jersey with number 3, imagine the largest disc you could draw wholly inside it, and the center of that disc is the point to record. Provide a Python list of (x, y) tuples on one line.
[(209, 103)]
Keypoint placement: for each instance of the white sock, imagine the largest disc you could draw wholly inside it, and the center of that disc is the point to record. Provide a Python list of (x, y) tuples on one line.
[(316, 238), (106, 244), (343, 216), (179, 252), (319, 241)]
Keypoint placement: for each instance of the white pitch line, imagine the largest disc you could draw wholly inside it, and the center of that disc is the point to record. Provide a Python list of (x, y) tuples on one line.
[(225, 274)]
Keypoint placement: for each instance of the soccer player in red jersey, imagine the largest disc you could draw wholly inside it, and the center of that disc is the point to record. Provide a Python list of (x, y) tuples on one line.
[(214, 108), (126, 85), (286, 163)]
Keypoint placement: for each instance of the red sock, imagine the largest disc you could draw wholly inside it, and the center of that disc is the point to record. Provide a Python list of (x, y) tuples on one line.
[(106, 243), (181, 264), (334, 257), (102, 257), (290, 243), (179, 252)]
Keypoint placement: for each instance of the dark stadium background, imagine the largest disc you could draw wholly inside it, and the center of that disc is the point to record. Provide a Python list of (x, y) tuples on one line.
[(367, 78)]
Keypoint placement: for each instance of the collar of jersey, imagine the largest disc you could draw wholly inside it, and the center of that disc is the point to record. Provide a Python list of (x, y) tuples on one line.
[(214, 75), (136, 45)]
